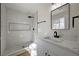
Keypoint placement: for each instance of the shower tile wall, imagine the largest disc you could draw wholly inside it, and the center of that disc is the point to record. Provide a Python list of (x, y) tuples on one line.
[(17, 39)]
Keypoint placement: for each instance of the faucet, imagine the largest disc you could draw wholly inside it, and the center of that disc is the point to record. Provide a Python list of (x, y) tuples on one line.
[(55, 34)]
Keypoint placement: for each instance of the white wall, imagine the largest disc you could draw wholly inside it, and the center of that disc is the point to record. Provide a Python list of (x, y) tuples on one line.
[(3, 28), (70, 37), (17, 39), (44, 15)]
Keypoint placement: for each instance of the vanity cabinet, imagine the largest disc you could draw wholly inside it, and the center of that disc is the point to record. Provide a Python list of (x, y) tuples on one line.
[(52, 49)]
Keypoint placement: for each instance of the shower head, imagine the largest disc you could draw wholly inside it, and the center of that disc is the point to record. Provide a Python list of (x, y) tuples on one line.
[(30, 17)]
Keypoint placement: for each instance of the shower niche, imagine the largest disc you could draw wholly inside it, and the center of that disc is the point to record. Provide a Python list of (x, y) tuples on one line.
[(19, 27), (60, 17)]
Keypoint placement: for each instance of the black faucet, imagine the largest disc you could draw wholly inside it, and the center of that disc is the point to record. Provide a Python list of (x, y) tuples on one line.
[(55, 34)]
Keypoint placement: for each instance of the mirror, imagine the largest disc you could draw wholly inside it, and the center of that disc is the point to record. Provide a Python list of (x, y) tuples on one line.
[(60, 17)]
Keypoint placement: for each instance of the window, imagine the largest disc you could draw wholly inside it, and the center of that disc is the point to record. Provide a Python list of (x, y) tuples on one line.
[(59, 23)]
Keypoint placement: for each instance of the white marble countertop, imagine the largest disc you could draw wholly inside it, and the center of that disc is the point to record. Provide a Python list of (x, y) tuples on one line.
[(70, 45)]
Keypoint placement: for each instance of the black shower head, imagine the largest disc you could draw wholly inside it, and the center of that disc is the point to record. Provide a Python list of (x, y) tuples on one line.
[(30, 17)]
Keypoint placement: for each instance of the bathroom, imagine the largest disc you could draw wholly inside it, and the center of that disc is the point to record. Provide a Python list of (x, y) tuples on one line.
[(44, 29)]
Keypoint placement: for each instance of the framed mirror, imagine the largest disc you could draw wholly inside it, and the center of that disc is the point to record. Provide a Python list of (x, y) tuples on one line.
[(60, 17)]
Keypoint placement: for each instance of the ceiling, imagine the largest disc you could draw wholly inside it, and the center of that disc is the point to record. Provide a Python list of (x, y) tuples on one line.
[(26, 7)]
